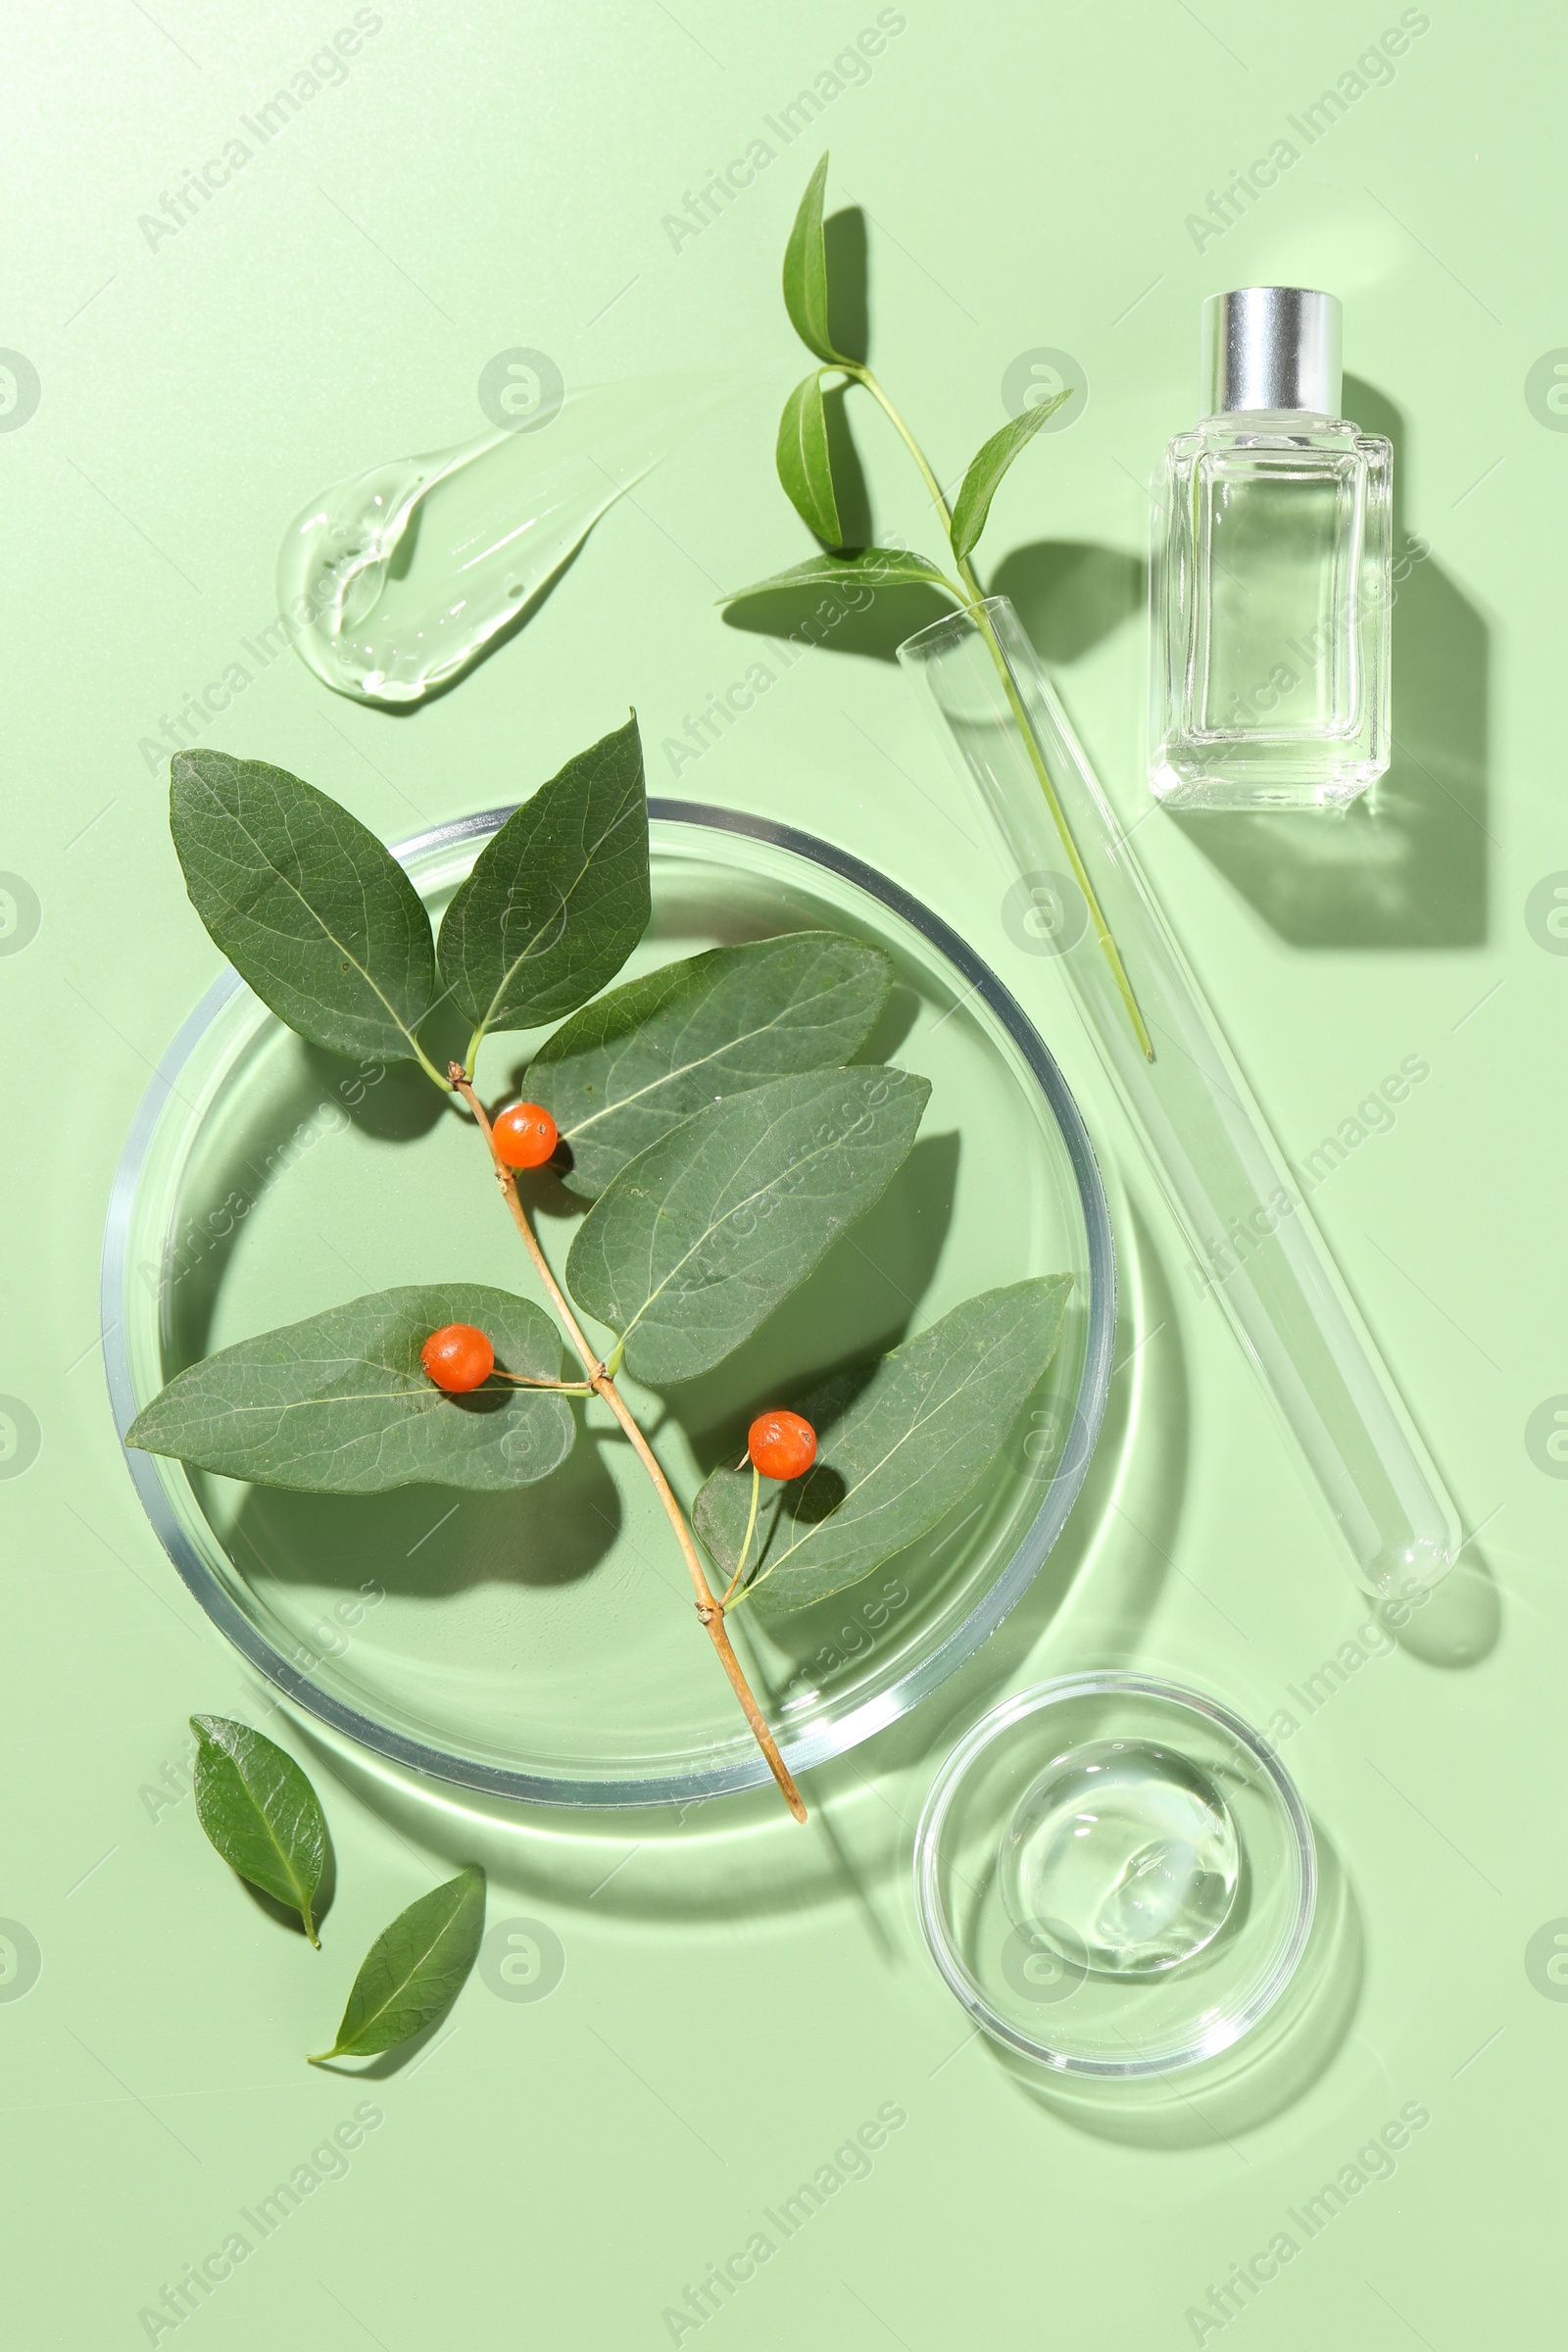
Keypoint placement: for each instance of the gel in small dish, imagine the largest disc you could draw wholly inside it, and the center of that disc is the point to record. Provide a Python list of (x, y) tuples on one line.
[(1124, 1854), (395, 581)]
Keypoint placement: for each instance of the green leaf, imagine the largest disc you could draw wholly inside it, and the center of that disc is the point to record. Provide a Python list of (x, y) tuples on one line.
[(860, 567), (341, 1404), (413, 1970), (803, 465), (312, 910), (987, 467), (898, 1446), (559, 897), (626, 1070), (805, 271), (260, 1813), (698, 1239)]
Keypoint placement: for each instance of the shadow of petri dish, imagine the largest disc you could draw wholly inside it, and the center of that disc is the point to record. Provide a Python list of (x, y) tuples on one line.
[(1258, 2077)]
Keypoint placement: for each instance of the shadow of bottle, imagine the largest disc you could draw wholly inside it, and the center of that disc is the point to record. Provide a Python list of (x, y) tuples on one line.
[(1407, 866), (1070, 593)]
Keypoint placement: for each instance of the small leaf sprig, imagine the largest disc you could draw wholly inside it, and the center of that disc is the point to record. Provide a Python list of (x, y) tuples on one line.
[(261, 1815), (908, 1443), (806, 471)]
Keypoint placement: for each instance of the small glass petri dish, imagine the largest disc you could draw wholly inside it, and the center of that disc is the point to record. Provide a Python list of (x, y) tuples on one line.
[(1114, 1874), (540, 1645)]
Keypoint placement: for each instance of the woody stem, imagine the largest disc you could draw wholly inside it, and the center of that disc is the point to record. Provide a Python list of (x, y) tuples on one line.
[(708, 1609)]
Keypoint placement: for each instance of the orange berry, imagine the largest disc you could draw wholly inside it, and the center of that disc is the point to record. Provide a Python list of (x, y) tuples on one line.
[(781, 1444), (525, 1134), (458, 1358)]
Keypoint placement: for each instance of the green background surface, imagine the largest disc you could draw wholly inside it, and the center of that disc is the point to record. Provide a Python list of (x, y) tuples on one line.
[(739, 1996)]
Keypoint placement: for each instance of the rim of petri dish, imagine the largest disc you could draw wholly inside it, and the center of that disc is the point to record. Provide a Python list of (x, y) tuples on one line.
[(1225, 2030), (825, 1739)]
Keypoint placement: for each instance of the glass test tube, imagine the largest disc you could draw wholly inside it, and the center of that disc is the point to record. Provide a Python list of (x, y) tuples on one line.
[(1240, 1208)]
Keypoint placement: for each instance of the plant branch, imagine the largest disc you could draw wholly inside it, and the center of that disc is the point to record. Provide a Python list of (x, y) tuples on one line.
[(1037, 761), (863, 376), (993, 645), (602, 1382)]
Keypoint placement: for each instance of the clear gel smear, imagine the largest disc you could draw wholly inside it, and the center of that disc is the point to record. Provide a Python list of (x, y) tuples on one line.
[(1125, 1854), (394, 582)]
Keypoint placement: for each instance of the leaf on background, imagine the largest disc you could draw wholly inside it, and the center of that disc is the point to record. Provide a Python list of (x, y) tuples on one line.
[(803, 465), (898, 1443), (805, 271), (341, 1404), (413, 1970), (312, 910), (701, 1236), (870, 567), (626, 1070), (559, 897), (987, 467), (260, 1813)]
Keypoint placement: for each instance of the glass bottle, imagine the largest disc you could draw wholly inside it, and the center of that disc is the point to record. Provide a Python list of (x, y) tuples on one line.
[(1270, 573)]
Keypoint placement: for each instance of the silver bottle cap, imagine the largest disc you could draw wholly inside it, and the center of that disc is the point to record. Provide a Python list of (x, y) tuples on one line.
[(1271, 347)]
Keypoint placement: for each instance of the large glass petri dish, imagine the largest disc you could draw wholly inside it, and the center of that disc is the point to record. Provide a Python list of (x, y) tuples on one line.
[(540, 1645)]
